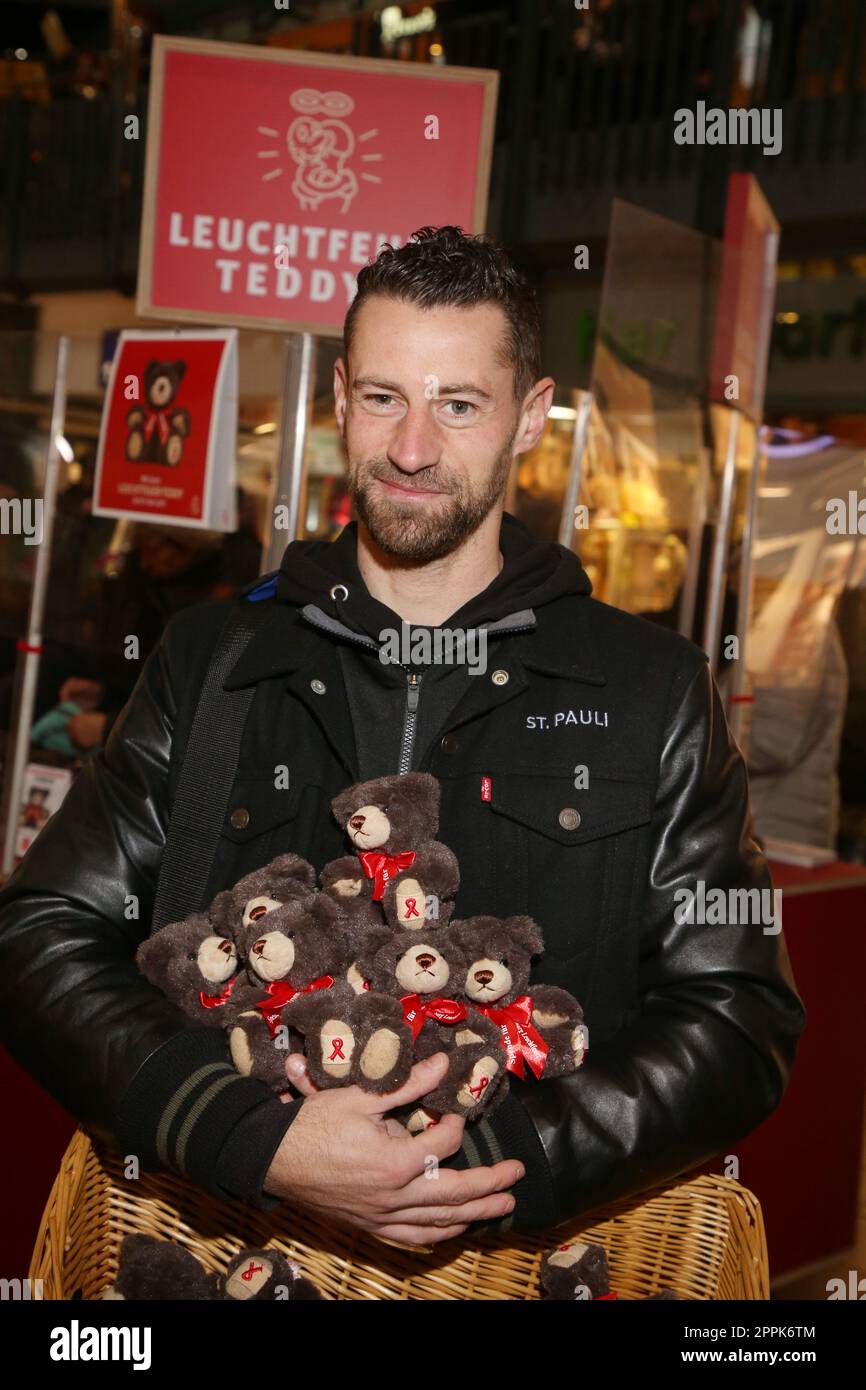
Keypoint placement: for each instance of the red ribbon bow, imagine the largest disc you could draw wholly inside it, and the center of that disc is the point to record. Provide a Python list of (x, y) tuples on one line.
[(280, 993), (520, 1038), (213, 1001), (156, 419), (383, 867), (416, 1011)]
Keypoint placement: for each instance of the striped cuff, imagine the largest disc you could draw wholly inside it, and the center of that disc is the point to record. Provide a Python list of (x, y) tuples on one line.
[(182, 1106), (510, 1133)]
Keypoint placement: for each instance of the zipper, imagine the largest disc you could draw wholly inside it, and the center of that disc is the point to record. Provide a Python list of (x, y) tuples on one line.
[(410, 719)]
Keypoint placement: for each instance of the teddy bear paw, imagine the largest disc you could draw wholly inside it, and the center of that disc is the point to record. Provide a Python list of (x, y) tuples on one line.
[(420, 1120), (338, 1044), (381, 1054), (472, 1091), (239, 1046), (578, 1045)]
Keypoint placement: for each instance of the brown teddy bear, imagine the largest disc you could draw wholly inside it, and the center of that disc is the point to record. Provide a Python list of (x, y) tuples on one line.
[(392, 822), (578, 1270), (541, 1028), (157, 427), (152, 1269), (298, 949), (195, 966)]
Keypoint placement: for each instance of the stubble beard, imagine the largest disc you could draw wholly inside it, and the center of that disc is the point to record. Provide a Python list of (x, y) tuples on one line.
[(401, 530)]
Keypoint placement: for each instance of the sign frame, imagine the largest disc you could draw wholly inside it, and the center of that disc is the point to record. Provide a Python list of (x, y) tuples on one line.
[(485, 78)]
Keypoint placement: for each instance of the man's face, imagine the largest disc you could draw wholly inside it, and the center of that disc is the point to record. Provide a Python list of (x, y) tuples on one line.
[(430, 423)]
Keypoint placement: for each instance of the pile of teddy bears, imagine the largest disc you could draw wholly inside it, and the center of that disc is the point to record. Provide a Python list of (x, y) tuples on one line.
[(368, 973)]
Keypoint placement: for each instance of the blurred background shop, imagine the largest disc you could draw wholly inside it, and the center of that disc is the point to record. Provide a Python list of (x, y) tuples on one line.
[(582, 157)]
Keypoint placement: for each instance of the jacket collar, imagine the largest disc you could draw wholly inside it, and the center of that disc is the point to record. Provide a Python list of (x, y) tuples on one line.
[(561, 644)]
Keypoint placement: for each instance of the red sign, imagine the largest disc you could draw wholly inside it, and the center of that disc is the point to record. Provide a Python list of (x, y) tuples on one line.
[(169, 424), (273, 176)]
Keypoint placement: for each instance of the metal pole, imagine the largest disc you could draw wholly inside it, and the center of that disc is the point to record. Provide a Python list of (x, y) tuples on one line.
[(294, 424), (575, 468), (689, 591), (718, 562), (744, 597), (30, 649)]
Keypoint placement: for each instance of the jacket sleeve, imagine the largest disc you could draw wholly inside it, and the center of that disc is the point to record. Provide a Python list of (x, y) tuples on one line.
[(706, 1055), (76, 1014)]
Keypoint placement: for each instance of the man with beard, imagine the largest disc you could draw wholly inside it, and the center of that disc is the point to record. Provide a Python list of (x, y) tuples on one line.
[(587, 775)]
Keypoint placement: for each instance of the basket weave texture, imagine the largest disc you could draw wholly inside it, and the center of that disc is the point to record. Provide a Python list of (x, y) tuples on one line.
[(703, 1237)]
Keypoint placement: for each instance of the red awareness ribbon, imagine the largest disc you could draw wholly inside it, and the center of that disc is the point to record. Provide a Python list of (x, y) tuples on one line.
[(280, 993), (411, 909), (156, 419), (600, 1296), (520, 1038), (213, 1001), (416, 1011), (253, 1269), (381, 868)]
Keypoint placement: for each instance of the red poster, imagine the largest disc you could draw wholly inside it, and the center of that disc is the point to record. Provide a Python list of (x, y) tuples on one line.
[(274, 176), (169, 423)]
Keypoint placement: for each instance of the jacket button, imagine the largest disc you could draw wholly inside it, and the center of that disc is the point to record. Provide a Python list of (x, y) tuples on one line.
[(240, 818), (569, 819), (318, 686), (449, 743), (500, 677)]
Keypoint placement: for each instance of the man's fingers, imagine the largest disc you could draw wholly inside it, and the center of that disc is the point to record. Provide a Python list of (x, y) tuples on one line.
[(298, 1074), (443, 1187), (423, 1077), (485, 1209)]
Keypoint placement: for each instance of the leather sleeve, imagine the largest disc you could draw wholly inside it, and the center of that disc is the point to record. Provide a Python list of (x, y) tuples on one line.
[(76, 1014), (707, 1055)]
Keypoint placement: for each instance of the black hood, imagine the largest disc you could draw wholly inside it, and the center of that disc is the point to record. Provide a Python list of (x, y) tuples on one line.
[(534, 573)]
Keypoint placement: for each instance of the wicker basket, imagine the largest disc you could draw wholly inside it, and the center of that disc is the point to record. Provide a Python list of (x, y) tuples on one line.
[(702, 1237)]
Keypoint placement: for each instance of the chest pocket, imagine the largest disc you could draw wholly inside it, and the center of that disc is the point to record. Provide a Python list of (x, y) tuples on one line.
[(256, 807), (567, 857)]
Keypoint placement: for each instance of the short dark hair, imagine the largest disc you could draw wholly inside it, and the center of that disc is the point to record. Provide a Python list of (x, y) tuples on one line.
[(445, 266)]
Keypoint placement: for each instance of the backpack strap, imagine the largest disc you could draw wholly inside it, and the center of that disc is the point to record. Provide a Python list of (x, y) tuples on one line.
[(208, 770)]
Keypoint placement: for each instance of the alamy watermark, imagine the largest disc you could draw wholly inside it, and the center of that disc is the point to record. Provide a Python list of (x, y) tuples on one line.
[(435, 647), (732, 907), (22, 517), (736, 126)]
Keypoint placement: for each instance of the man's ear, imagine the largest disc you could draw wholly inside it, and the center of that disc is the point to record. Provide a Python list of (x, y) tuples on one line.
[(341, 393), (534, 415)]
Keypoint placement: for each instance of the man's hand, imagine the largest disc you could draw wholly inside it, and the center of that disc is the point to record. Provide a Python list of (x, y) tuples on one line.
[(342, 1157)]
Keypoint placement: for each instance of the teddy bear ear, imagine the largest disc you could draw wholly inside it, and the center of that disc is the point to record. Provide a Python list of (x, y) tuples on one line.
[(527, 933)]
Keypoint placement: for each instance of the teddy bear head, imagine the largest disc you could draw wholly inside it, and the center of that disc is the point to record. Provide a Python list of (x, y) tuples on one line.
[(298, 941), (575, 1270), (389, 814), (498, 953), (412, 962), (189, 959), (288, 876), (161, 380)]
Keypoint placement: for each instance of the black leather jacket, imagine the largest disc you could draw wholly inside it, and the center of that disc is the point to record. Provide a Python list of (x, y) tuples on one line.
[(693, 1025)]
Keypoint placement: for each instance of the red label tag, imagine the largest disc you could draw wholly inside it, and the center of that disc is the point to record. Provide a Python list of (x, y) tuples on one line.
[(486, 788)]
